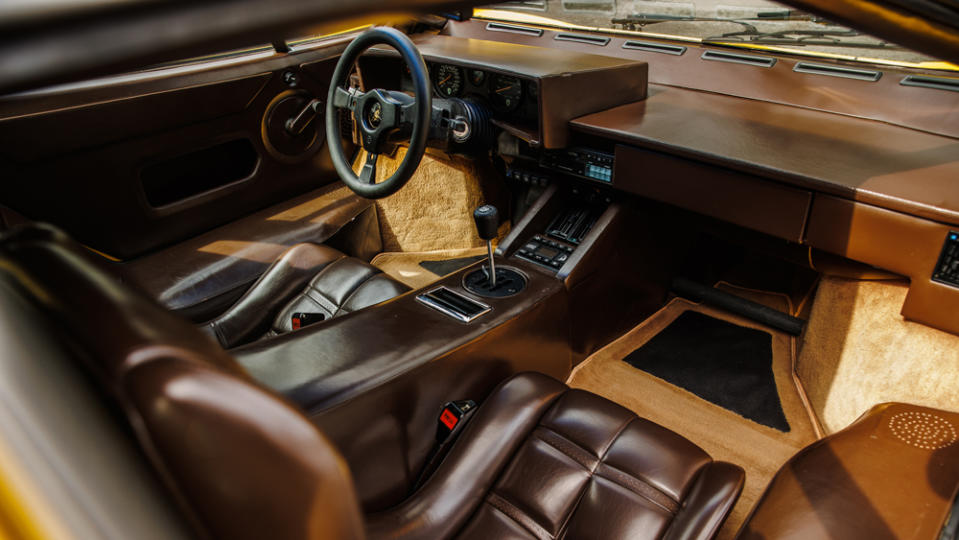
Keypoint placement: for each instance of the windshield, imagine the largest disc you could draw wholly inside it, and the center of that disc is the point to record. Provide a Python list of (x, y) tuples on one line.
[(744, 23)]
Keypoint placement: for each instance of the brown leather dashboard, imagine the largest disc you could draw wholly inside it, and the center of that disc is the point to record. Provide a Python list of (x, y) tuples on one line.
[(560, 76), (819, 161), (873, 162)]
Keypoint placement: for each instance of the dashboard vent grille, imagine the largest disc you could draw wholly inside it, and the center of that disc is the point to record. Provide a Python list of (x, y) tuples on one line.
[(649, 46), (938, 83), (513, 29), (581, 38), (739, 58), (454, 304), (838, 71)]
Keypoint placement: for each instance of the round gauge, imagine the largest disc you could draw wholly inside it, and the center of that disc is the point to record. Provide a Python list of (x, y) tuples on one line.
[(477, 77), (448, 80), (505, 92)]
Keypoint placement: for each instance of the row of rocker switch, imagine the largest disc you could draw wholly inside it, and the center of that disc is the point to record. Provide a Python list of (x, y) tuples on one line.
[(527, 177)]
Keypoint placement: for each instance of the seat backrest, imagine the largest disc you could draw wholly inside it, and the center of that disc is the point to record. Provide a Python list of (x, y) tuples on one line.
[(240, 460)]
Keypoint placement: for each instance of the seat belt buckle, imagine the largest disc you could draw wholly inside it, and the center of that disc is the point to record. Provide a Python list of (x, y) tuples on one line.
[(452, 417), (302, 319)]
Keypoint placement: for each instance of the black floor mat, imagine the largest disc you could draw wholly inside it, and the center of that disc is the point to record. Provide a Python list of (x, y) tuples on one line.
[(721, 362), (448, 266)]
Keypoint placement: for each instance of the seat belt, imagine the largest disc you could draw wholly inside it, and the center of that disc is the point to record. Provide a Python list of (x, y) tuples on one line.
[(302, 319), (452, 419)]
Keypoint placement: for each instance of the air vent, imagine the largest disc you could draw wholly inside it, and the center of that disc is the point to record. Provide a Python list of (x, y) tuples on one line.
[(924, 81), (739, 58), (513, 29), (838, 71), (454, 304), (648, 46), (581, 38)]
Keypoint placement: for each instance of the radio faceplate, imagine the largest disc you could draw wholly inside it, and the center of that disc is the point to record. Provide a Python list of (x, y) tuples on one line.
[(581, 162)]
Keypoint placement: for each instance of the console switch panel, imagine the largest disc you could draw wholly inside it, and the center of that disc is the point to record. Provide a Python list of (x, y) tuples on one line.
[(947, 269), (545, 252)]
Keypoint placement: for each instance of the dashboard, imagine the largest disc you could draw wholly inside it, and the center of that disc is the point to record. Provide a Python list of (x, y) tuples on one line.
[(879, 192)]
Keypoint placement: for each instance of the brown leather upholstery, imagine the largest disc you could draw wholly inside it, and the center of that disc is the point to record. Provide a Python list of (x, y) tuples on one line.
[(242, 462), (891, 474), (342, 287), (538, 461), (542, 461), (308, 278)]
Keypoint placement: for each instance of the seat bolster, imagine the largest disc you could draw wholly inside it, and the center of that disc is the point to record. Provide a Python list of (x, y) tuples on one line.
[(450, 497), (248, 465), (708, 503), (251, 315), (342, 287), (378, 288)]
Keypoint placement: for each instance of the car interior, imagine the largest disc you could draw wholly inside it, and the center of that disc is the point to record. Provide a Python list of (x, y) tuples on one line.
[(442, 272)]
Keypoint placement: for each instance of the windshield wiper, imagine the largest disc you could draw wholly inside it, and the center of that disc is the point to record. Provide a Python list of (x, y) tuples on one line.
[(832, 36), (802, 38), (640, 20)]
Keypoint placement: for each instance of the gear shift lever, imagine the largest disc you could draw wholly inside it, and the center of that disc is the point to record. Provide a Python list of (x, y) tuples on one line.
[(497, 283), (487, 223)]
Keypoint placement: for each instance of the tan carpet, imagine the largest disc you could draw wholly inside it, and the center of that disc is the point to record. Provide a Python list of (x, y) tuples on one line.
[(760, 450), (858, 351), (405, 266), (434, 210)]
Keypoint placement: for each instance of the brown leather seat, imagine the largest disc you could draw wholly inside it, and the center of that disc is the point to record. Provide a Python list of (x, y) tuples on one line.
[(893, 474), (308, 278), (538, 460)]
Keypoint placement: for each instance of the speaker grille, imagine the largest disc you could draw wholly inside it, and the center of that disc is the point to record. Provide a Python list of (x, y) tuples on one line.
[(923, 430)]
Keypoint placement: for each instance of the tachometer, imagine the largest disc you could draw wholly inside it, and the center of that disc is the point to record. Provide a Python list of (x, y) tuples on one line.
[(505, 92), (448, 80)]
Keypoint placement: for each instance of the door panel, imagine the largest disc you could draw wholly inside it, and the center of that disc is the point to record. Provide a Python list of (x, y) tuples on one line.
[(77, 155)]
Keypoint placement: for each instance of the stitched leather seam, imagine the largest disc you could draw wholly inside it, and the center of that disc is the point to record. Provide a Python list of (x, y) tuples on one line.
[(340, 308), (639, 487), (622, 428), (321, 301), (324, 270), (572, 450), (511, 511)]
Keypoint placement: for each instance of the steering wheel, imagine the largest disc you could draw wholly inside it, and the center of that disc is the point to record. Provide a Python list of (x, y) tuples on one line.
[(381, 116)]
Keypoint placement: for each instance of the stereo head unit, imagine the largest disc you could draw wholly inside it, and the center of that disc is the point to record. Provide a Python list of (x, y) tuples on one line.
[(581, 162)]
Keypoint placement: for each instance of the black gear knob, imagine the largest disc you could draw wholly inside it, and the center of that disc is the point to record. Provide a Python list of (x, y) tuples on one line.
[(487, 221)]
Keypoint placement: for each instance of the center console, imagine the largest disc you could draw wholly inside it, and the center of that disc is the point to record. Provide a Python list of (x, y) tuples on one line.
[(556, 244)]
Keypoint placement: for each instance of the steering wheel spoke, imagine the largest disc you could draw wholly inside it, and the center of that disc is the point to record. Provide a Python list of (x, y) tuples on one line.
[(368, 172), (346, 99), (406, 113)]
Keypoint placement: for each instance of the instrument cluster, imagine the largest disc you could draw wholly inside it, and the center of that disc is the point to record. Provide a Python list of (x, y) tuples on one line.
[(509, 96)]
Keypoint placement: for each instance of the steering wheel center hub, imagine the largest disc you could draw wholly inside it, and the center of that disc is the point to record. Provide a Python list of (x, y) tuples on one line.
[(374, 115)]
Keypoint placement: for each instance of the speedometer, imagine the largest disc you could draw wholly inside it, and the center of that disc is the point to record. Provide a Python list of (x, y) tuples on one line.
[(448, 80), (505, 92)]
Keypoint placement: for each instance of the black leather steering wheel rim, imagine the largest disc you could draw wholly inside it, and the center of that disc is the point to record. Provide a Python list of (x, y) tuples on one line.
[(417, 113)]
